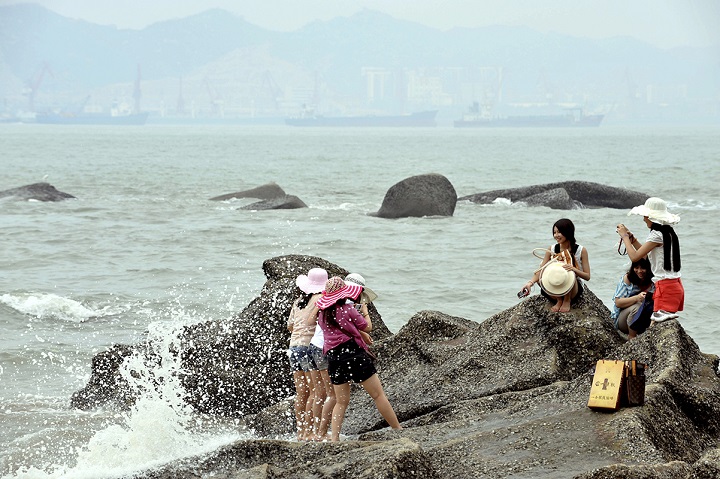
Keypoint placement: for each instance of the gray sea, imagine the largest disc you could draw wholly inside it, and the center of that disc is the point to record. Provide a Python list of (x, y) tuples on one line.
[(142, 251)]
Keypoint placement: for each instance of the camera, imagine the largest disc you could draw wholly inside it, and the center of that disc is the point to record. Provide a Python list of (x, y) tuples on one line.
[(523, 292)]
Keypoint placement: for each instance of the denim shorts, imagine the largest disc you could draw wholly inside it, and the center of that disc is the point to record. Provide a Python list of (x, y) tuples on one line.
[(319, 360), (299, 358)]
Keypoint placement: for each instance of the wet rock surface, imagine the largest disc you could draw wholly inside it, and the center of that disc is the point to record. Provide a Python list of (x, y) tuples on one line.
[(287, 202), (265, 192), (503, 398), (37, 192), (417, 196), (565, 195)]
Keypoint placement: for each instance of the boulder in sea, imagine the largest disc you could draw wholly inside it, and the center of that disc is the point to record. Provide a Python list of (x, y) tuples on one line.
[(287, 202), (265, 192), (417, 196), (37, 192), (581, 194), (234, 366)]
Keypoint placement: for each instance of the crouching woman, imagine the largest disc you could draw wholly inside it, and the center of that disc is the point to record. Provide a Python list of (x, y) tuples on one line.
[(348, 356)]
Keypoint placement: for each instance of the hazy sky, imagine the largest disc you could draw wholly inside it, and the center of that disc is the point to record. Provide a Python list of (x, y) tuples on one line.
[(664, 23)]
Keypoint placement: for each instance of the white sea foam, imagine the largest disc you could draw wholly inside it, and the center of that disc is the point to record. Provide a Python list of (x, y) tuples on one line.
[(46, 306), (502, 201), (160, 427)]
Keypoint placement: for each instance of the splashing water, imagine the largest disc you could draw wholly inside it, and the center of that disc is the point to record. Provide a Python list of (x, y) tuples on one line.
[(159, 428)]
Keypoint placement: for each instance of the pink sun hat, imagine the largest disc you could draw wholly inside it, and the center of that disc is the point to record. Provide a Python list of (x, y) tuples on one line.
[(335, 290), (313, 282)]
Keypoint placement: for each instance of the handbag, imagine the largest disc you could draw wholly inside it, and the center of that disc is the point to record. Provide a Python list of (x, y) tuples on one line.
[(634, 383), (606, 390)]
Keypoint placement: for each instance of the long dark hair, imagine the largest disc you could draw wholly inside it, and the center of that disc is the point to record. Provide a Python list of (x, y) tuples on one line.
[(671, 245), (643, 263), (567, 229), (330, 311), (303, 300)]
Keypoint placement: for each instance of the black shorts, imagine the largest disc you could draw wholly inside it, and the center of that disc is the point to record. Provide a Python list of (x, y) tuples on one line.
[(349, 362)]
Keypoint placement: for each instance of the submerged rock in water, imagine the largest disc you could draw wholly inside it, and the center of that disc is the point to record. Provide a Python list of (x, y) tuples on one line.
[(37, 192), (264, 192), (565, 195), (287, 202), (503, 398)]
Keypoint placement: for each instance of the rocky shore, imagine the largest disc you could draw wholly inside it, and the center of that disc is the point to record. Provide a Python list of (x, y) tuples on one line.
[(503, 398)]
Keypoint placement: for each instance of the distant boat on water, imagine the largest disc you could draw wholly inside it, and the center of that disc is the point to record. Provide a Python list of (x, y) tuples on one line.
[(422, 118), (573, 118), (91, 119)]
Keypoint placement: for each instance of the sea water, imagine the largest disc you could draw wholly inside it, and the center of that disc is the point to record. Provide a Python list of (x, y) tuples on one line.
[(142, 251)]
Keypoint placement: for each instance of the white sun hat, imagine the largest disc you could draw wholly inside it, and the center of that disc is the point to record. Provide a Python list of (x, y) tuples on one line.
[(656, 211), (368, 295), (556, 280)]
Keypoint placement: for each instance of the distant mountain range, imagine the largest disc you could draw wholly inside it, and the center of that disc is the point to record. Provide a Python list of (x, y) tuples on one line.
[(217, 63)]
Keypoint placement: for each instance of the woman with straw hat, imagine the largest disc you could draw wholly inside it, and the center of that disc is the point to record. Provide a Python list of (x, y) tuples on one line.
[(348, 355), (663, 250), (560, 281)]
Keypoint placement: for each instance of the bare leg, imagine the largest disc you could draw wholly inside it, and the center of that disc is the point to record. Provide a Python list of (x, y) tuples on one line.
[(375, 390), (565, 304), (327, 409), (301, 396), (308, 417), (342, 395), (318, 399), (559, 303)]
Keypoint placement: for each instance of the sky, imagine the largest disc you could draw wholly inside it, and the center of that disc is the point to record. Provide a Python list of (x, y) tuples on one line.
[(663, 23)]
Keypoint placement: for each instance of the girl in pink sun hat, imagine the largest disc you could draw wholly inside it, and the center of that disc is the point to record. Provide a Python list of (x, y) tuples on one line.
[(349, 359), (307, 376), (662, 248)]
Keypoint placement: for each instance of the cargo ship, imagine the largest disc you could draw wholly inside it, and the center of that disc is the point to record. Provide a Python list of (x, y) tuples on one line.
[(419, 119), (574, 117)]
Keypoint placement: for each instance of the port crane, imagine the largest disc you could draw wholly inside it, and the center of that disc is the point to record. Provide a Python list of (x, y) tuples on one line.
[(32, 86)]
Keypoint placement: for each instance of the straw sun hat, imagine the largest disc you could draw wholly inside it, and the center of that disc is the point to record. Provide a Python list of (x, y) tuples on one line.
[(656, 211), (336, 289), (555, 280), (368, 295)]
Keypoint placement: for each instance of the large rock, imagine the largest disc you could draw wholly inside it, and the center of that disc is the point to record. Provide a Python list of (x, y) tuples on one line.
[(566, 195), (421, 195), (508, 398), (234, 366), (503, 398), (37, 192), (264, 192)]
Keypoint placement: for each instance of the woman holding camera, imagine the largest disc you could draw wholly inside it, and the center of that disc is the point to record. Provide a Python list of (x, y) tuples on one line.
[(662, 248)]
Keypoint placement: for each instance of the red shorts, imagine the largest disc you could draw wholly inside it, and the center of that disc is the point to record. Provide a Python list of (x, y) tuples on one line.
[(669, 295)]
